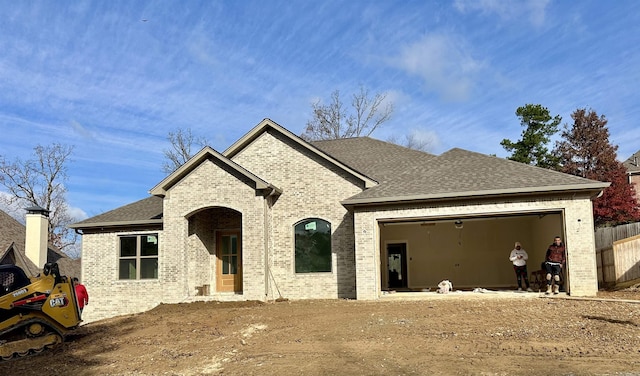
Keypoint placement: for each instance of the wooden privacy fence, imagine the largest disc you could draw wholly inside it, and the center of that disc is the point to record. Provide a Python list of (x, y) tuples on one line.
[(620, 262)]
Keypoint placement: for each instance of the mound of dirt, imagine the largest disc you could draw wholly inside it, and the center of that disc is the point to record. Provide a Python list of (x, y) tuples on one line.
[(484, 334)]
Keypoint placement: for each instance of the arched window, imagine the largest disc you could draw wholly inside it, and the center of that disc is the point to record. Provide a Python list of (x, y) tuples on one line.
[(313, 246)]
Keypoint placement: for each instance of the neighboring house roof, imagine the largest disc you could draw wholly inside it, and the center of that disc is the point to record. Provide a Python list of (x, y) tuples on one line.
[(144, 212), (633, 164), (12, 249)]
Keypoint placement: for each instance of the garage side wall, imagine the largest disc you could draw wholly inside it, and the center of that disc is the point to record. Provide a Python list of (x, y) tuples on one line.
[(578, 225), (582, 269)]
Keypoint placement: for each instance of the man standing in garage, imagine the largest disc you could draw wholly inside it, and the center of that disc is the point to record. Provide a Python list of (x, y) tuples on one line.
[(554, 262), (519, 259)]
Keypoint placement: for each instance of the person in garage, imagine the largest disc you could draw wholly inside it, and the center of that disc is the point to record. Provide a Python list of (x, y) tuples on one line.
[(519, 259), (554, 262)]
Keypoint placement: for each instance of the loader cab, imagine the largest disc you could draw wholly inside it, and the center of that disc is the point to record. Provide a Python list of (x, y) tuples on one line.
[(12, 278)]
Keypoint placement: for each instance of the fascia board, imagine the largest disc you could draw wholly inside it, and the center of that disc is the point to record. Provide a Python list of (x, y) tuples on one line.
[(594, 189), (79, 226)]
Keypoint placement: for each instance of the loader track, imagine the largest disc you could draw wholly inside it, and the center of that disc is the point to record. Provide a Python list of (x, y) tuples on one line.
[(19, 345)]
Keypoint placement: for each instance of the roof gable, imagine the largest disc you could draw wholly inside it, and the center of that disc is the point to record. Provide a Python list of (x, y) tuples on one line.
[(207, 153), (268, 125)]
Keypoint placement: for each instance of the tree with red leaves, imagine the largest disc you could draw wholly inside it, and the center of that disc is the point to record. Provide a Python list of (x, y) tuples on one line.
[(586, 151)]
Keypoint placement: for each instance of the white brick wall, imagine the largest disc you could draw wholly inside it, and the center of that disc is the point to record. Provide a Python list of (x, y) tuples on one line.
[(109, 296), (209, 186), (210, 197), (311, 189)]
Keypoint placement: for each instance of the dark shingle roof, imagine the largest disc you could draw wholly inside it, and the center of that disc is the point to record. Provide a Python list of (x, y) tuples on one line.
[(11, 231), (460, 173), (12, 239), (633, 163), (145, 211), (377, 159), (402, 174)]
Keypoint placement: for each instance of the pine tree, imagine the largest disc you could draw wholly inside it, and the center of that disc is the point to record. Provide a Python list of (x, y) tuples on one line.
[(532, 147), (587, 152)]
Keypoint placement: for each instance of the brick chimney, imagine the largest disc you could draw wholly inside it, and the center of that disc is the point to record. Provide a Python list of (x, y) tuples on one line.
[(37, 239)]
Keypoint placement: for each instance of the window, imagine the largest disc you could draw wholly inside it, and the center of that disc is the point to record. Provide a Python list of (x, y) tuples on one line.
[(313, 246), (138, 257)]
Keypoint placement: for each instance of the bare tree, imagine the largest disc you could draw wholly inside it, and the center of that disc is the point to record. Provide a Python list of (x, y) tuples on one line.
[(413, 140), (181, 143), (333, 121), (40, 181)]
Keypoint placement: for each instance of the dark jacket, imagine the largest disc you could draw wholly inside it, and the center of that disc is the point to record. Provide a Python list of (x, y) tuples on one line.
[(555, 253)]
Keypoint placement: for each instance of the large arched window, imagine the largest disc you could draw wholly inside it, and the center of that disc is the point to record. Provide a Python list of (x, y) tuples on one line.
[(313, 246)]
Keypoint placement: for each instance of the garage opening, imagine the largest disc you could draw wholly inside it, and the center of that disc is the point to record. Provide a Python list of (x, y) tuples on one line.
[(470, 251)]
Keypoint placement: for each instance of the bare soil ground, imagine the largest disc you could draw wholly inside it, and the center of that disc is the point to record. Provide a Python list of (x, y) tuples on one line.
[(456, 334)]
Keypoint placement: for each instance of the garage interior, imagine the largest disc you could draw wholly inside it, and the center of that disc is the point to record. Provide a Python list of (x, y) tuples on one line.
[(470, 251)]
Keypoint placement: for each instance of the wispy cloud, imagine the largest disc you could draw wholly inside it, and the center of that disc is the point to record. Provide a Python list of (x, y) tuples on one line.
[(93, 75), (531, 10), (81, 130), (444, 63)]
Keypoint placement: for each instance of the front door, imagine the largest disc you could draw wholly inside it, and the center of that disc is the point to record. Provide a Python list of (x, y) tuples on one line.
[(397, 265), (229, 265)]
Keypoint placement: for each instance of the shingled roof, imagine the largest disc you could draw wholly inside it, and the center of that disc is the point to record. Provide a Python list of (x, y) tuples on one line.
[(460, 173), (633, 163), (147, 211), (12, 249), (379, 160), (403, 175)]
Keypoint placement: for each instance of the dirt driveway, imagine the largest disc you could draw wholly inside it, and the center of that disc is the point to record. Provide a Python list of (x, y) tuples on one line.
[(460, 334)]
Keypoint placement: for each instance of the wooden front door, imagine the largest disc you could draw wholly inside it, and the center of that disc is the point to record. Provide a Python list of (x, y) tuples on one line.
[(229, 267)]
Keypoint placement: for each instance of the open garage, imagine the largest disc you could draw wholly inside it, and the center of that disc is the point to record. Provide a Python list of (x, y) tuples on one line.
[(470, 251)]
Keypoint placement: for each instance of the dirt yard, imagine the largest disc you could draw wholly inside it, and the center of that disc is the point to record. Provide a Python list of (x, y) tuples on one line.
[(455, 334)]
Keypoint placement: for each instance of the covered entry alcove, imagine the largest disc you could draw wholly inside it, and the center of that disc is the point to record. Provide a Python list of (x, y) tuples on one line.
[(215, 241)]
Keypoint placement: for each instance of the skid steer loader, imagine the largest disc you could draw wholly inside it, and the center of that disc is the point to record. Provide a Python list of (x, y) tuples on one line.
[(35, 313)]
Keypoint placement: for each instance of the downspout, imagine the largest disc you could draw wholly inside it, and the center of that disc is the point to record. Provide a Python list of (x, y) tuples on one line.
[(267, 221), (266, 246)]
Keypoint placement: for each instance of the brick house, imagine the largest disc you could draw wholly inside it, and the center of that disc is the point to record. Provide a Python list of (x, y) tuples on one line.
[(632, 165), (275, 216)]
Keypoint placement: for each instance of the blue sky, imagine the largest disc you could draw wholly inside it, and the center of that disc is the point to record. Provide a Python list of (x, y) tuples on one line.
[(113, 78)]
